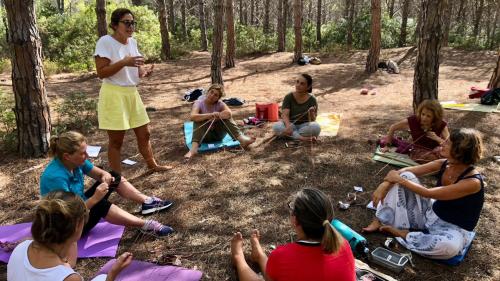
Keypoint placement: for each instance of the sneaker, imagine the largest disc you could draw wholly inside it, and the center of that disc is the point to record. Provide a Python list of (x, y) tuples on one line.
[(157, 228), (156, 205)]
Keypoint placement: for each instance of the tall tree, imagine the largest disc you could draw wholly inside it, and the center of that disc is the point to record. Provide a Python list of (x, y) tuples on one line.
[(183, 19), (217, 44), (252, 12), (281, 26), (447, 23), (404, 22), (203, 26), (297, 15), (461, 17), (100, 10), (477, 19), (375, 38), (60, 6), (165, 37), (266, 25), (318, 23), (495, 77), (241, 12), (390, 8), (28, 81), (350, 22), (171, 16), (425, 79), (230, 46)]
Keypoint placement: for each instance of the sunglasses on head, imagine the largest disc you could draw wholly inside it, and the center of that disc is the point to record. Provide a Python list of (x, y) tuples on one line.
[(129, 23)]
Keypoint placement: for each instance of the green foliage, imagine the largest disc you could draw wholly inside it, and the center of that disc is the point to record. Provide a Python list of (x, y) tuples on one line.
[(76, 112), (251, 40), (7, 121)]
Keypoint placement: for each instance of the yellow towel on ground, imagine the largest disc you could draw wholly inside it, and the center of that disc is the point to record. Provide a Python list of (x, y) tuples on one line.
[(329, 123)]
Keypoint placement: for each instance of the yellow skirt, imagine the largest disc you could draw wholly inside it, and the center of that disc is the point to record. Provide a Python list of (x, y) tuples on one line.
[(120, 108)]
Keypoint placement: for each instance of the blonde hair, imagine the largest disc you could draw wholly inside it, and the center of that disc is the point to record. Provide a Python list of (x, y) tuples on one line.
[(219, 88), (466, 145), (437, 111), (57, 216), (68, 142), (314, 212)]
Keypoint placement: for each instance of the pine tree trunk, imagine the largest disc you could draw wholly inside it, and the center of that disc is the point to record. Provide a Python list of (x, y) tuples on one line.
[(477, 20), (203, 26), (495, 77), (171, 16), (241, 11), (318, 23), (347, 6), (230, 48), (60, 6), (281, 27), (297, 15), (252, 12), (217, 44), (350, 23), (266, 17), (28, 81), (375, 38), (447, 23), (404, 22), (165, 38), (183, 19), (461, 17), (425, 80), (494, 28), (100, 10), (391, 8)]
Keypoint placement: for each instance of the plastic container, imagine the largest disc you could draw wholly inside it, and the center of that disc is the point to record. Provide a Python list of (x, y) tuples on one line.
[(358, 243), (267, 111), (388, 259)]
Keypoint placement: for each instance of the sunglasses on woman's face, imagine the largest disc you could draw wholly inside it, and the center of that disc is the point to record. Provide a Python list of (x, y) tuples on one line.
[(129, 23)]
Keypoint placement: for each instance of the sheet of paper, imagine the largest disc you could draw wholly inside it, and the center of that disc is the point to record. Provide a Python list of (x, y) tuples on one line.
[(128, 162), (358, 188), (93, 151)]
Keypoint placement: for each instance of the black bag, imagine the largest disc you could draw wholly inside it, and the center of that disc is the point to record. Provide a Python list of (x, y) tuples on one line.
[(193, 95), (234, 101), (491, 97)]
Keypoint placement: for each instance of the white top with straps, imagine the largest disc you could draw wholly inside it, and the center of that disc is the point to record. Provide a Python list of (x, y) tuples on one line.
[(19, 267)]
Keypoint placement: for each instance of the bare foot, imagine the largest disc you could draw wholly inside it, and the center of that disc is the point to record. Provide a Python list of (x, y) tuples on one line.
[(394, 231), (190, 155), (160, 168), (237, 248), (246, 141), (257, 251), (308, 139), (372, 227)]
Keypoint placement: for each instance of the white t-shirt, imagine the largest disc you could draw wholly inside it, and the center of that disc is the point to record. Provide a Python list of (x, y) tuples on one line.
[(108, 47)]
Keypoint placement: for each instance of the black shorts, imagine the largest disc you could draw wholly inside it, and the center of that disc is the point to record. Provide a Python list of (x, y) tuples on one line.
[(100, 209)]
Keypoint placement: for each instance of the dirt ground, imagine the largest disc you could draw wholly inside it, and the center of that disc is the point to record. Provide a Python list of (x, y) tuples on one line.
[(220, 193)]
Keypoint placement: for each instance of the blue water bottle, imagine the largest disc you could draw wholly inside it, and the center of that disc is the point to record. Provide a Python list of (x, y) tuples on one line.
[(358, 243)]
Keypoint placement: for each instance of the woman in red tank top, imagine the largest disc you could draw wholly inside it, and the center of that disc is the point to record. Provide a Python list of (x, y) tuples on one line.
[(319, 254)]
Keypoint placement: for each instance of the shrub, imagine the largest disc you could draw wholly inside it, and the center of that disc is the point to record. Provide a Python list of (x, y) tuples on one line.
[(7, 121), (76, 112)]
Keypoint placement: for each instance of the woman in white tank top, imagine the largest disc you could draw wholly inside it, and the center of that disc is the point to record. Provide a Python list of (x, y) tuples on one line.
[(57, 225)]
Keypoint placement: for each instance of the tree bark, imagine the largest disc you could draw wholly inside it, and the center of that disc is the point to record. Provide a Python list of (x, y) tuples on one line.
[(425, 79), (252, 12), (171, 16), (241, 11), (183, 19), (230, 48), (266, 26), (281, 27), (461, 17), (318, 23), (165, 37), (203, 26), (404, 22), (60, 6), (350, 23), (477, 20), (217, 44), (493, 40), (100, 10), (391, 8), (28, 81), (495, 77), (375, 38), (447, 23), (297, 14)]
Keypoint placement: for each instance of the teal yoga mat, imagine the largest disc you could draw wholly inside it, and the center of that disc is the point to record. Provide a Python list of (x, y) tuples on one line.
[(227, 142)]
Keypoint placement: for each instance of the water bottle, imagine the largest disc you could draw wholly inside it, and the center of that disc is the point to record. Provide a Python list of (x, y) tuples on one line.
[(358, 243)]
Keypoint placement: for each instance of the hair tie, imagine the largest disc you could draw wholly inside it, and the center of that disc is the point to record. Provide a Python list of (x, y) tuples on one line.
[(326, 222)]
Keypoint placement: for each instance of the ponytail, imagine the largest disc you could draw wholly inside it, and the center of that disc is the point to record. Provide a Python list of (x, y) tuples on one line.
[(68, 142), (332, 240)]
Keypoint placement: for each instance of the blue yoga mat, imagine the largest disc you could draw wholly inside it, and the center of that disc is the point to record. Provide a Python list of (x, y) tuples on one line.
[(227, 142), (456, 260)]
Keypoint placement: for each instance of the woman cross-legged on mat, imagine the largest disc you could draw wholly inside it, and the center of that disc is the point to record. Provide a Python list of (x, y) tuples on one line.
[(435, 222), (213, 120), (58, 222), (319, 254), (66, 172), (120, 66), (298, 112)]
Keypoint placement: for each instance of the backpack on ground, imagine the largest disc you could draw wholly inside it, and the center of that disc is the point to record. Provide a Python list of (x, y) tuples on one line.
[(491, 97), (193, 95)]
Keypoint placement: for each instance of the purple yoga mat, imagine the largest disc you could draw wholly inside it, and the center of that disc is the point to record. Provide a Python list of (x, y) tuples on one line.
[(140, 271), (101, 241)]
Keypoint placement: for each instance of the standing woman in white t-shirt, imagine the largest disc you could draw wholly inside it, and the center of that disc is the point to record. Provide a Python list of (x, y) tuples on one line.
[(120, 65), (58, 222)]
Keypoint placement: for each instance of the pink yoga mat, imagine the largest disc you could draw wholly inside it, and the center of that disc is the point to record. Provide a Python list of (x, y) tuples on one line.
[(140, 271), (101, 241)]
